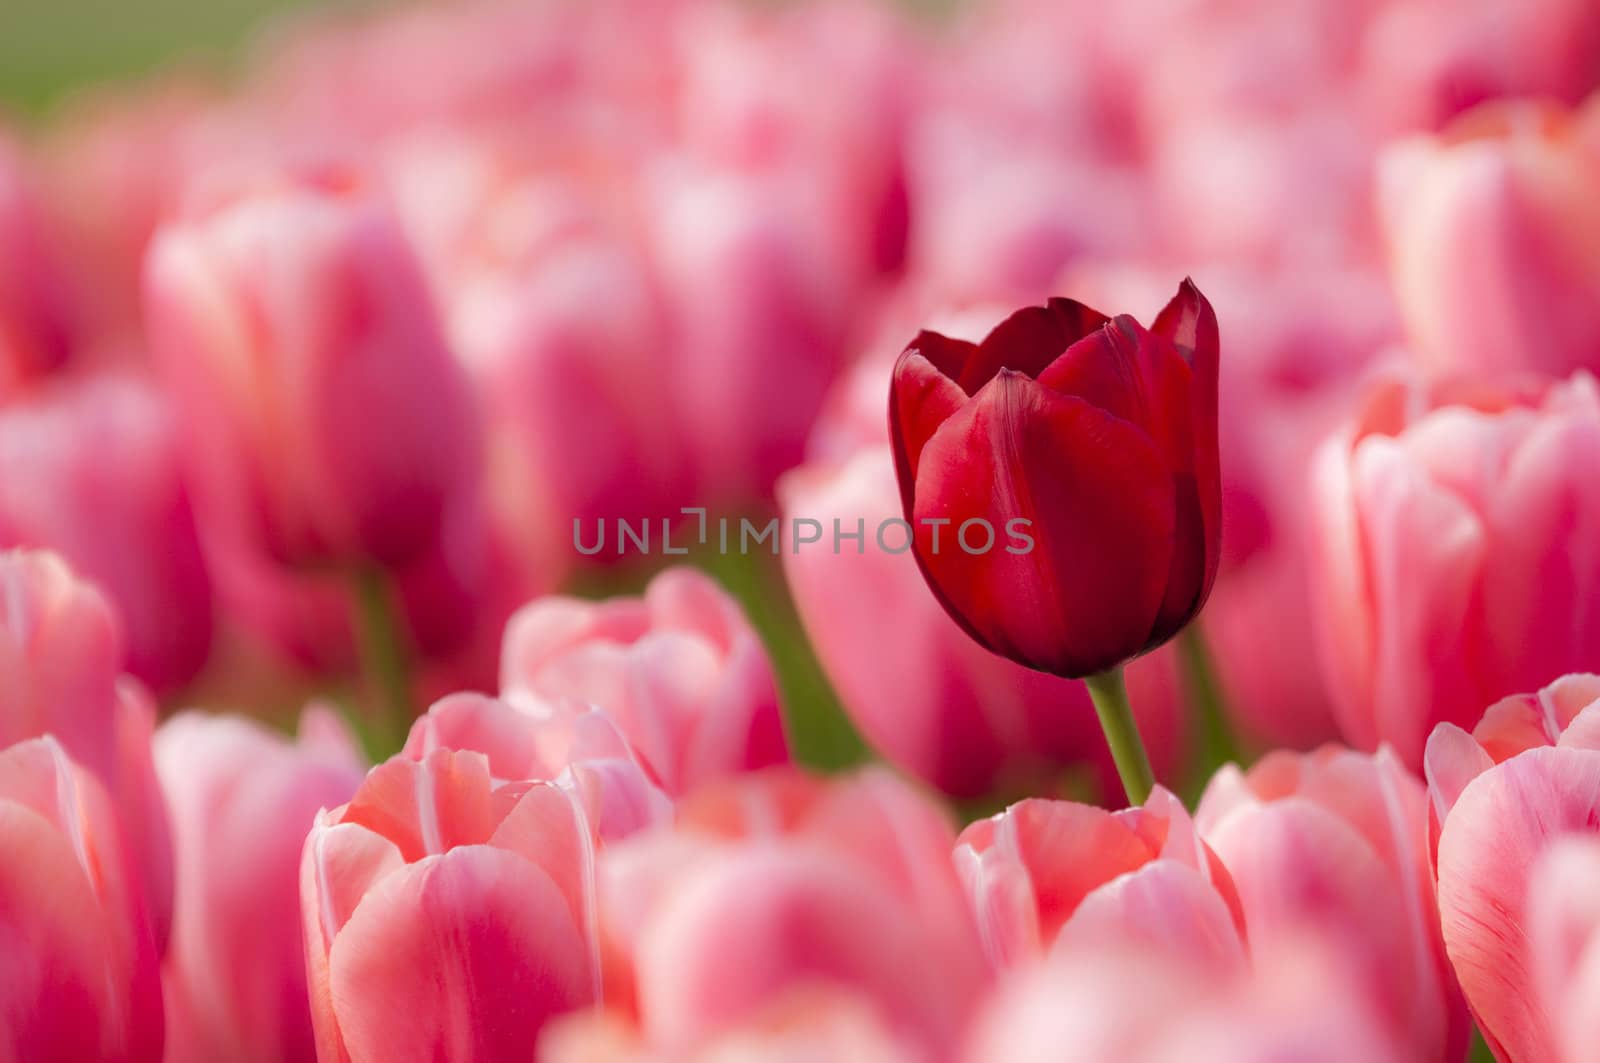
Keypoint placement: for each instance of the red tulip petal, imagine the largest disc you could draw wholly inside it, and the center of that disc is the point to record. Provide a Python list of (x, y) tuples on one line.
[(1029, 340), (1190, 325), (921, 398), (1100, 499), (462, 956), (948, 356)]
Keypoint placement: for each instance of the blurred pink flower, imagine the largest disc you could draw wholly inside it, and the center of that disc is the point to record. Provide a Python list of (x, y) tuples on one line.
[(1058, 875), (1502, 798), (778, 884), (1494, 240), (1454, 561), (806, 1026), (242, 799), (35, 323), (1296, 1001), (326, 420), (92, 453), (759, 315), (922, 692), (679, 670), (1331, 847), (81, 977), (61, 655), (447, 914)]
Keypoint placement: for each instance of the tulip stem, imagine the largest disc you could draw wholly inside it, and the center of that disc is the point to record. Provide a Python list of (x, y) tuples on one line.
[(384, 660), (1217, 744), (1110, 696)]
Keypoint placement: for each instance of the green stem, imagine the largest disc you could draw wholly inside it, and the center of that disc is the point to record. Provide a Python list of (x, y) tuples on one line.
[(1215, 743), (1110, 696), (385, 664)]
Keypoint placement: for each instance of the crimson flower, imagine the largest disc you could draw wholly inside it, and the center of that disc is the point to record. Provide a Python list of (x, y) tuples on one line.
[(1061, 478)]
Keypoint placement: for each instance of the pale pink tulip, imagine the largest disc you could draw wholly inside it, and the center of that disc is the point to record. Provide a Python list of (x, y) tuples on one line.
[(566, 343), (776, 883), (1455, 561), (1493, 229), (325, 418), (61, 652), (679, 670), (562, 741), (35, 325), (1563, 890), (60, 490), (80, 978), (242, 800), (921, 691), (447, 914), (1055, 874), (1331, 846), (1503, 797)]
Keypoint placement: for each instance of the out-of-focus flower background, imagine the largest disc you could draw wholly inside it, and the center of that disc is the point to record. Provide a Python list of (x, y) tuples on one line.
[(342, 349)]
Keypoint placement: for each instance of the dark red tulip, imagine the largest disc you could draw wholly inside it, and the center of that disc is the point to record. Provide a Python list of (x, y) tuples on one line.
[(1102, 436)]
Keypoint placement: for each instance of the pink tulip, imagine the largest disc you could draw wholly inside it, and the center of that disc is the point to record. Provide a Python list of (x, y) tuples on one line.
[(1452, 564), (34, 320), (679, 670), (576, 746), (1055, 874), (567, 350), (1296, 1001), (80, 978), (1494, 241), (61, 652), (1503, 797), (759, 317), (242, 799), (777, 884), (326, 420), (447, 914), (1565, 939), (1331, 846), (58, 490), (920, 690)]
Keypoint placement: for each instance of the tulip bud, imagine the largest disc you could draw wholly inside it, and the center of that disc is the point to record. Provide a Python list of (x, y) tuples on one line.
[(1494, 241), (57, 490), (1056, 874), (242, 799), (574, 745), (60, 655), (1453, 561), (446, 914), (327, 422), (920, 691), (80, 978), (1062, 479), (679, 670)]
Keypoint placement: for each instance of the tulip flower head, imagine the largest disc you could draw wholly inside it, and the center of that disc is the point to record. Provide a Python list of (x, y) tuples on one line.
[(1087, 446)]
